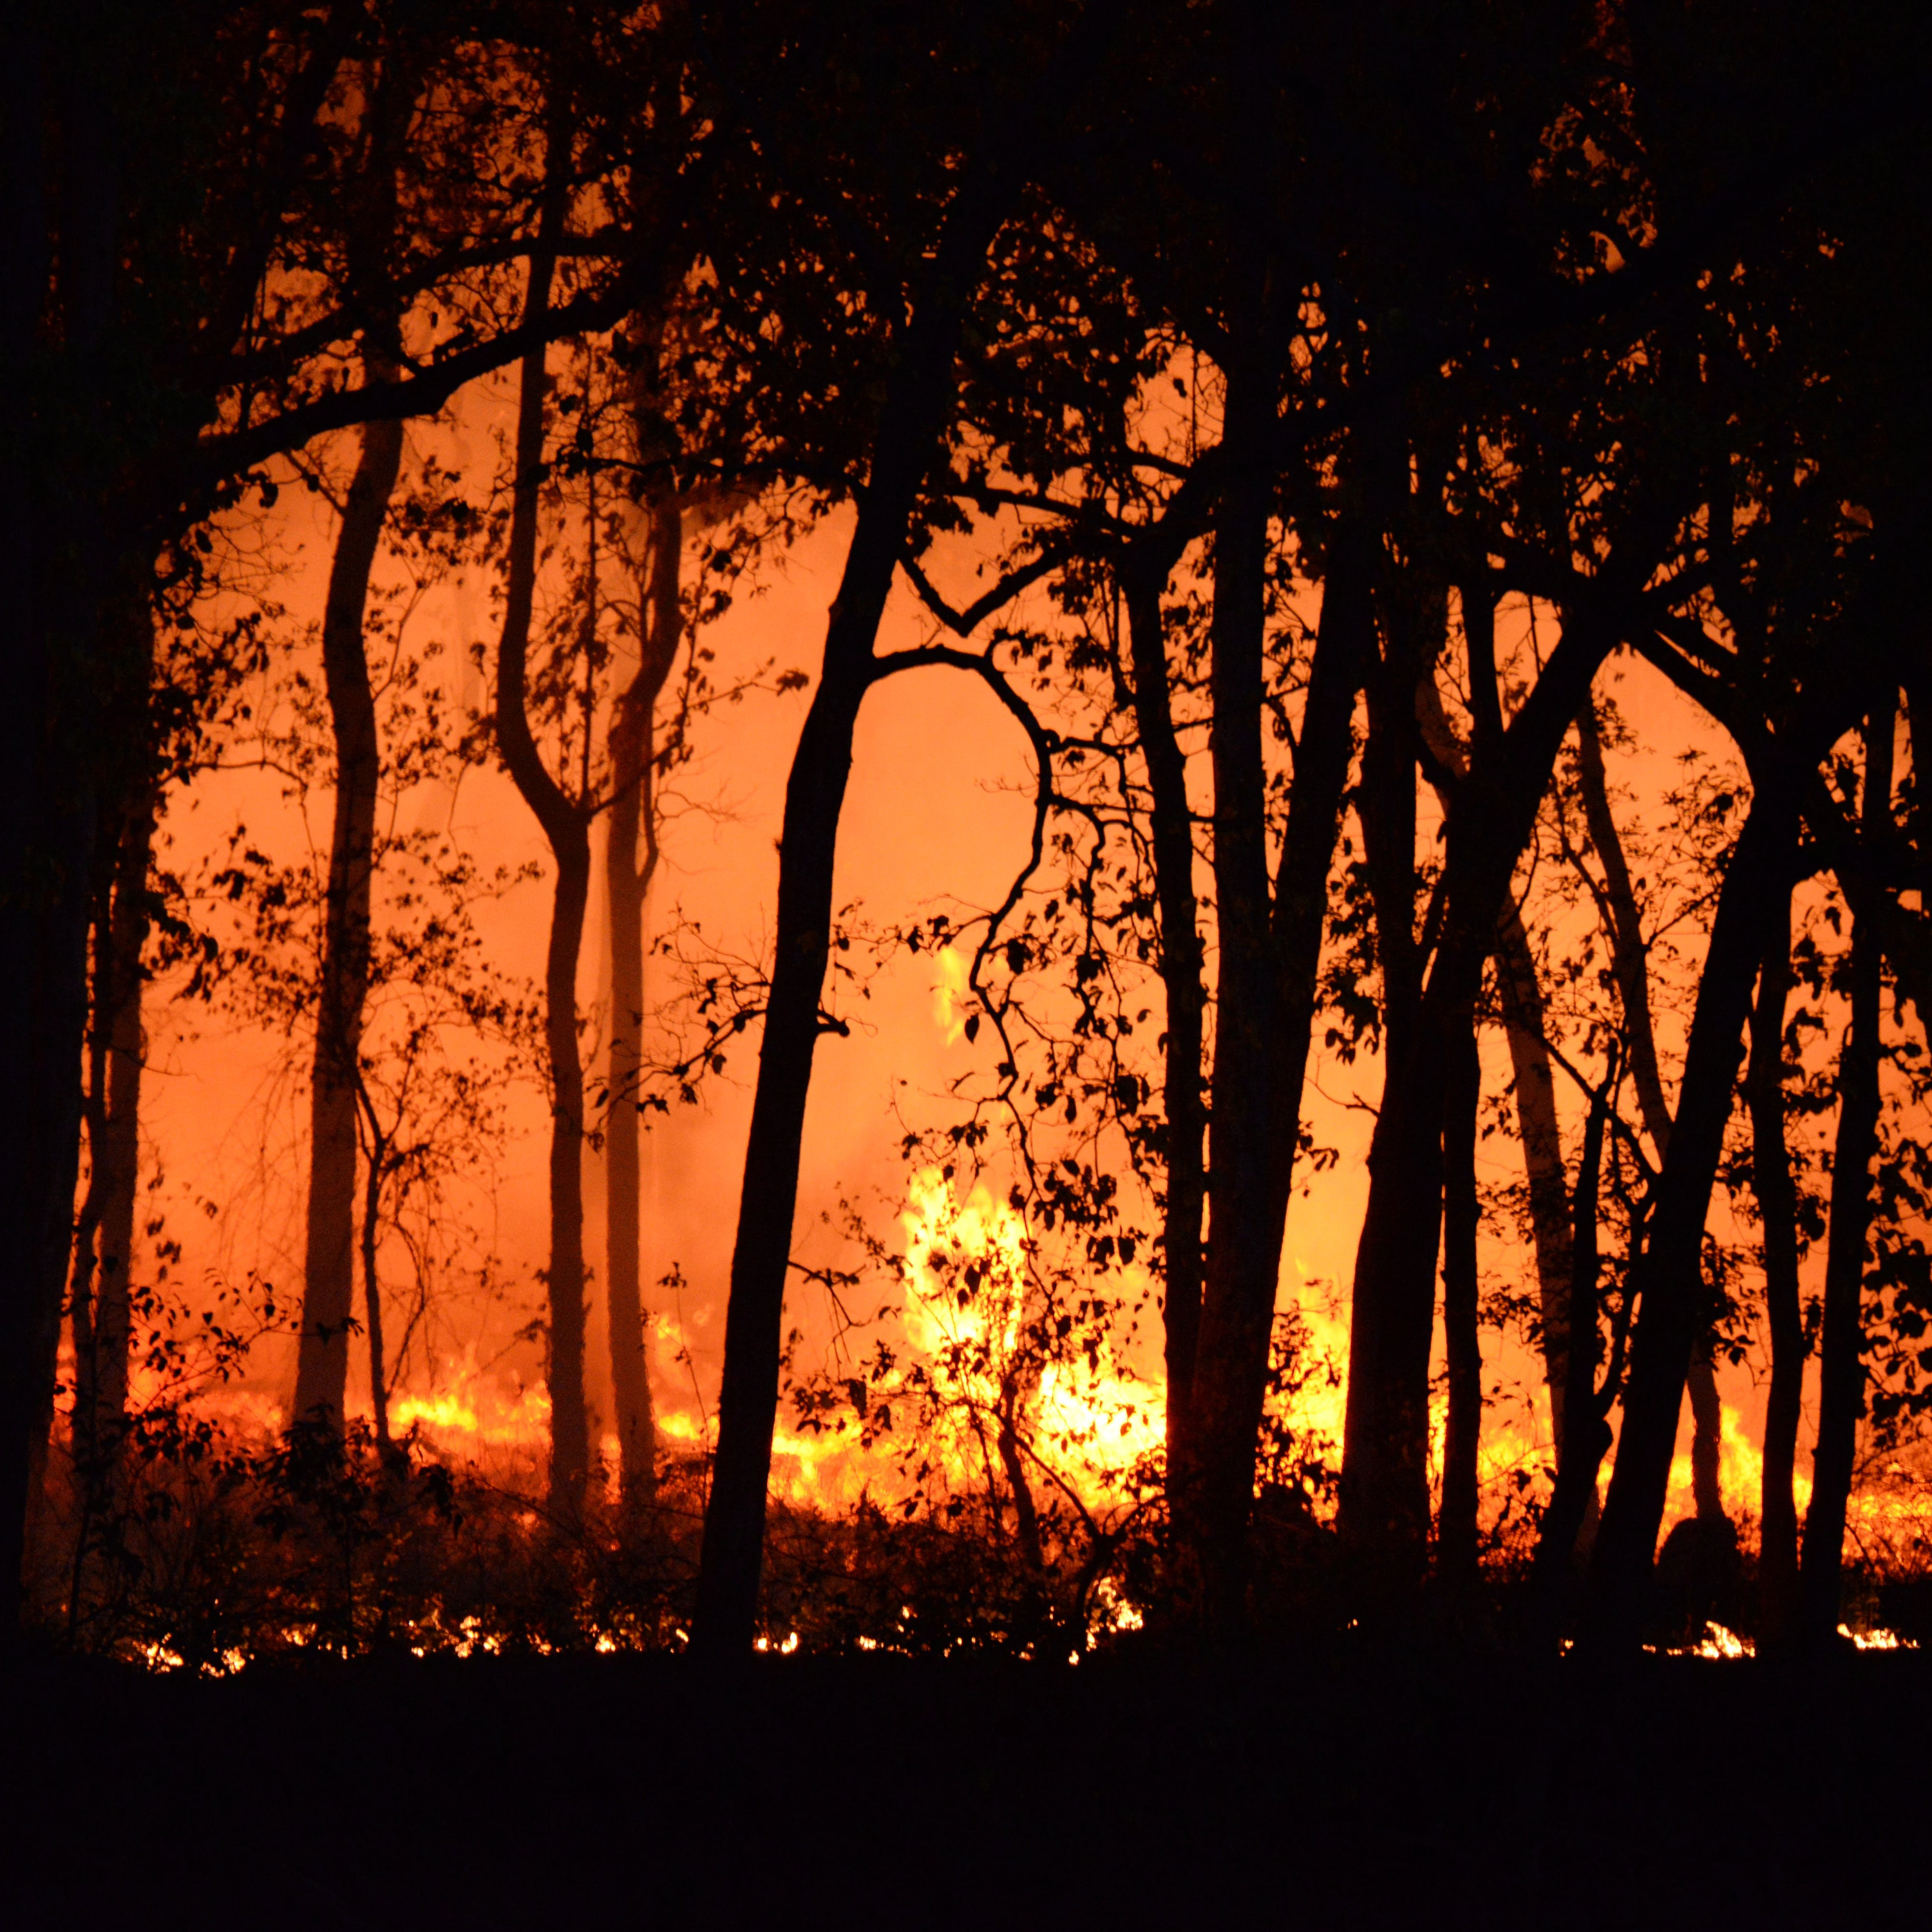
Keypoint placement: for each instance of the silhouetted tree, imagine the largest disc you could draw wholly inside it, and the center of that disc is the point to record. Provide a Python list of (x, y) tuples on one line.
[(1841, 1390), (950, 245)]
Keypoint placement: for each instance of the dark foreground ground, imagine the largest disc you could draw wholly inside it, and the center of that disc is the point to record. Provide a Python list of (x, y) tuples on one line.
[(1349, 1788)]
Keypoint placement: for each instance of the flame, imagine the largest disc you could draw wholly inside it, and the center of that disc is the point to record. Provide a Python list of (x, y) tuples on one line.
[(1088, 1421), (1877, 1639), (1505, 1447), (1740, 1474), (966, 1287), (474, 1416), (1718, 1643), (1893, 1514), (967, 1284), (950, 997)]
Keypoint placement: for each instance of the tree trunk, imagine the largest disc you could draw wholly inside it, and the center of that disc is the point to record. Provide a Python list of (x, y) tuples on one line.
[(748, 1397), (1385, 1506), (48, 841), (1630, 958), (1778, 1213), (564, 1279), (919, 400), (101, 1387), (1323, 749), (1668, 1277), (62, 566), (328, 1280), (565, 824), (1586, 1434), (627, 885), (1707, 1431), (1630, 952), (1456, 1530), (1026, 1514), (1385, 1492), (1841, 1384), (1520, 992), (1181, 965), (87, 1222), (1242, 1269), (372, 1295)]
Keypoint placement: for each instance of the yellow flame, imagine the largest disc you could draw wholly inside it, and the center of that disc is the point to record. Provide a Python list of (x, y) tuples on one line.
[(1740, 1474), (967, 1290), (961, 1318), (475, 1414), (950, 998), (1877, 1639)]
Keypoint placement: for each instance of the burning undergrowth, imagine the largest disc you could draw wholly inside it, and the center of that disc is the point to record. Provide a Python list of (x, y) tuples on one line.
[(218, 1547), (989, 1480), (975, 1467)]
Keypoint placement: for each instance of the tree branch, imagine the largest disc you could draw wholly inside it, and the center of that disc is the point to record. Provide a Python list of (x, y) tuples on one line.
[(966, 622)]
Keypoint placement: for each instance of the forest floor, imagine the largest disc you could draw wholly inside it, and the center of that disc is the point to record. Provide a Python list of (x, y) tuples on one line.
[(1342, 1787)]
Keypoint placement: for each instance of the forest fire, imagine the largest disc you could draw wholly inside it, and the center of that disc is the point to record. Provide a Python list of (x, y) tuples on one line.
[(964, 953), (902, 832)]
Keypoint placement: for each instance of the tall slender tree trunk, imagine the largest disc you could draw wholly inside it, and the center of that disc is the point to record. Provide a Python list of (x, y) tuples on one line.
[(1778, 1213), (1456, 1526), (1386, 1424), (566, 828), (634, 814), (1667, 1277), (87, 1223), (919, 400), (564, 1279), (328, 1279), (1242, 1270), (1181, 966), (372, 1293), (1520, 991), (1586, 1435), (102, 1300), (1323, 749), (126, 1058), (66, 559), (748, 1397), (1630, 953), (1707, 1432), (1630, 964), (1841, 1381), (1385, 1492)]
